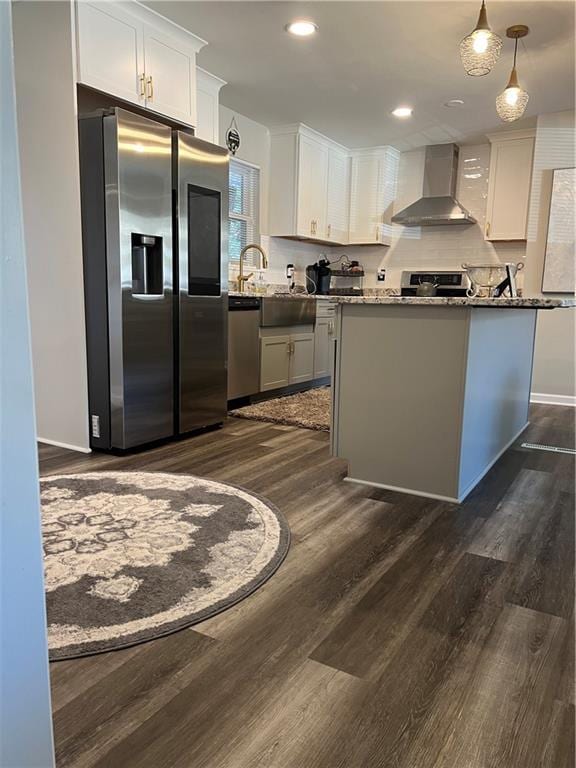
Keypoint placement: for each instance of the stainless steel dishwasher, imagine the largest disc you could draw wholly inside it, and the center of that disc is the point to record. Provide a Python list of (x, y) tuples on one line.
[(243, 346)]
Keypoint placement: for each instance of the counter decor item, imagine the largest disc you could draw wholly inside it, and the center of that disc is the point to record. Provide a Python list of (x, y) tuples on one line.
[(352, 272), (427, 289), (485, 279), (559, 273)]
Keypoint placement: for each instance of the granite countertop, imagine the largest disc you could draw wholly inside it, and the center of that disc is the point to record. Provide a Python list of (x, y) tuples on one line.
[(280, 295), (524, 302)]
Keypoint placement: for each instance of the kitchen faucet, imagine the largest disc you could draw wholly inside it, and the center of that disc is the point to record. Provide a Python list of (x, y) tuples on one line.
[(242, 278)]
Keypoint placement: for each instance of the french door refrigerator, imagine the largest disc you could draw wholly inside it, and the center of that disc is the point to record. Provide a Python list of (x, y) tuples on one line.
[(201, 184), (155, 320)]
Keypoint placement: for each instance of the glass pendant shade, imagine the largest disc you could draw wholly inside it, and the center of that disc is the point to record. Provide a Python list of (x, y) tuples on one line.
[(511, 103), (480, 49)]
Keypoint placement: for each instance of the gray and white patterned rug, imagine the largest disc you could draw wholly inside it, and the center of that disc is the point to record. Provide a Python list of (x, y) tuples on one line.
[(130, 556)]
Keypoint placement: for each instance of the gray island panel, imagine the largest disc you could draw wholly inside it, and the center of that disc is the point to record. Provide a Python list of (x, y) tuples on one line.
[(400, 388), (497, 394), (427, 397)]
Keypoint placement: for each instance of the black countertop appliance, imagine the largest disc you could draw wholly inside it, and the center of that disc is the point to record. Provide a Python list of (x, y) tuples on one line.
[(318, 277)]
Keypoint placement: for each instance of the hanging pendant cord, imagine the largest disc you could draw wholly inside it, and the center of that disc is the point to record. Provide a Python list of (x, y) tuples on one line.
[(515, 49)]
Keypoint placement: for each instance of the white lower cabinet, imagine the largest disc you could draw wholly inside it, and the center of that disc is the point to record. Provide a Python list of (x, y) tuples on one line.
[(274, 362), (322, 336), (286, 359), (301, 358)]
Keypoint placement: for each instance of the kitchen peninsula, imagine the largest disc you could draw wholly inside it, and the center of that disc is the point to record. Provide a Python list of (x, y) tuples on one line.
[(429, 392)]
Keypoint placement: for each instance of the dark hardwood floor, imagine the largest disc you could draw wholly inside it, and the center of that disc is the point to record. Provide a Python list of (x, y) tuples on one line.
[(399, 633)]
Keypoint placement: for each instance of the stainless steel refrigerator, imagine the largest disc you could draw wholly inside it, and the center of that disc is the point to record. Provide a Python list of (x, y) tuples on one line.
[(154, 229)]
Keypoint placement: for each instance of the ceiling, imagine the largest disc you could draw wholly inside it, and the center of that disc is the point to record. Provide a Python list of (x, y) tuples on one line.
[(369, 57)]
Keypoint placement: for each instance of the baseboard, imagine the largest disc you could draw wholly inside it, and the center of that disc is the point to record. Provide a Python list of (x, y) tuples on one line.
[(487, 469), (399, 489), (69, 447), (545, 399), (452, 499)]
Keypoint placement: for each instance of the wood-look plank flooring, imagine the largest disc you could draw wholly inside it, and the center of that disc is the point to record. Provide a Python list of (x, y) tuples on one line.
[(400, 632)]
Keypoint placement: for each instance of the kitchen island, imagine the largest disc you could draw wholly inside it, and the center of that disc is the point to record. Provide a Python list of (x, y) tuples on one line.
[(428, 393)]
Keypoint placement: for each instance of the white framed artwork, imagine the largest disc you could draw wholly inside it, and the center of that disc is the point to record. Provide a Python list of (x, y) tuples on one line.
[(559, 267)]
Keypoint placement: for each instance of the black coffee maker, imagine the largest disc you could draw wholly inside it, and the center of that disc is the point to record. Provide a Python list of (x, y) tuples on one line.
[(318, 277)]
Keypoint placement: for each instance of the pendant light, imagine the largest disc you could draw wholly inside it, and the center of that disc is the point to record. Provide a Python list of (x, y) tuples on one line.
[(479, 51), (511, 103)]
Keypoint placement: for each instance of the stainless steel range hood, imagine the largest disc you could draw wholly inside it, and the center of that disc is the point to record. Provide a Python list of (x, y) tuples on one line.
[(438, 204)]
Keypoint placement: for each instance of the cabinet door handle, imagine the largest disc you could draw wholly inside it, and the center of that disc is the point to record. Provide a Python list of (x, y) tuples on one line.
[(150, 94), (328, 231), (142, 80), (488, 229)]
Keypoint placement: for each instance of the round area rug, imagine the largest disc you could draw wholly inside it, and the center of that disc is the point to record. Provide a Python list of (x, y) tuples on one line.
[(130, 556)]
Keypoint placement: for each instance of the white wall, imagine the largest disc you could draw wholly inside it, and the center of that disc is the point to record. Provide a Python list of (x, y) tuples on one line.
[(25, 718), (442, 247), (412, 248), (255, 148), (45, 92), (554, 361)]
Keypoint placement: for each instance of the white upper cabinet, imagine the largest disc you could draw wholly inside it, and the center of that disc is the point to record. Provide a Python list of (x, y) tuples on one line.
[(312, 188), (338, 205), (511, 157), (135, 54), (110, 50), (170, 69), (374, 177), (309, 186), (207, 105)]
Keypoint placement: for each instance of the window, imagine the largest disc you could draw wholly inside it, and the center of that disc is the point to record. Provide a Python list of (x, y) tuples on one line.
[(244, 210)]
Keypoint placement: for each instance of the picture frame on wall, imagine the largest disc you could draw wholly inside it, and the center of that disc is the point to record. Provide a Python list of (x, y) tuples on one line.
[(560, 255)]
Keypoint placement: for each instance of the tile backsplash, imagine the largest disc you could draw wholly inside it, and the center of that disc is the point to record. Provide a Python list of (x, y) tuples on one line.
[(442, 247)]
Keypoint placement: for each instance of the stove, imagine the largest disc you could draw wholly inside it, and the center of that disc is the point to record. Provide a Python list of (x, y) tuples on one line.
[(449, 283)]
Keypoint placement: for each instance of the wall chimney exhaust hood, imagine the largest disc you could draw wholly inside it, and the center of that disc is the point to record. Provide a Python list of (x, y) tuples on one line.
[(438, 205)]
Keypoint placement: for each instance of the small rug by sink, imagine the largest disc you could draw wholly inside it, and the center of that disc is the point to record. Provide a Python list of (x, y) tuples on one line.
[(130, 556), (310, 410)]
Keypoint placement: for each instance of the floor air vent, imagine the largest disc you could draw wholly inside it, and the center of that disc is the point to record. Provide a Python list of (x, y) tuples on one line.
[(551, 448)]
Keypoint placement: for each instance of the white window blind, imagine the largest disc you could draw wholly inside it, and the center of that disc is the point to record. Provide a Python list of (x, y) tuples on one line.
[(244, 210)]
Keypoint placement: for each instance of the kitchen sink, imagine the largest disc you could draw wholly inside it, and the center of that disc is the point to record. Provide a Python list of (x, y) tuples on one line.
[(281, 310)]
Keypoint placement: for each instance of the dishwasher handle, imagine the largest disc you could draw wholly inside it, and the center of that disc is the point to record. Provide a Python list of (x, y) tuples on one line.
[(237, 304)]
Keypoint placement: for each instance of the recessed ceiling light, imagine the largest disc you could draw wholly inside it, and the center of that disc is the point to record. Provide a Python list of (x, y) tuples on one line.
[(302, 28), (454, 103), (402, 112)]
